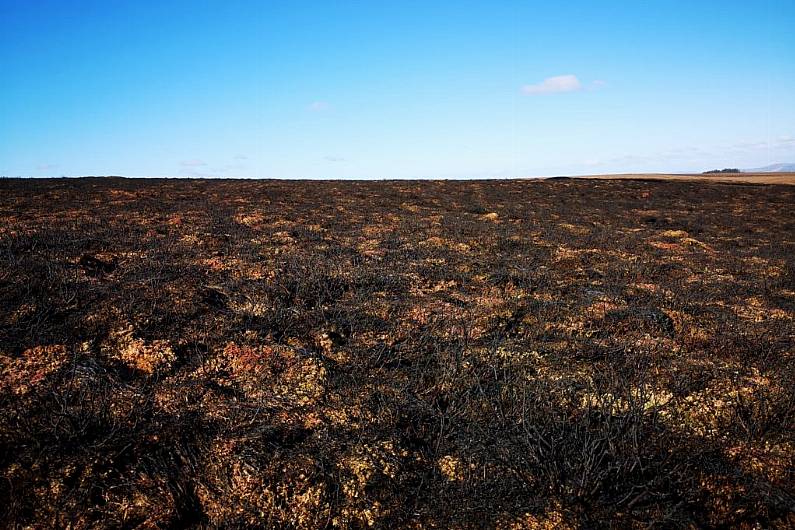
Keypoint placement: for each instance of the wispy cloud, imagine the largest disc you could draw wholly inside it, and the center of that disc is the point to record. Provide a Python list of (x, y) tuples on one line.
[(680, 155), (46, 167), (744, 154), (319, 106), (241, 157), (780, 143), (331, 158), (748, 146), (228, 168), (194, 162), (554, 85)]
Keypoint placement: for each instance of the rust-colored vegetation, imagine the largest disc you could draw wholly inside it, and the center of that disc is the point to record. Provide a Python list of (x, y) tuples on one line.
[(511, 354)]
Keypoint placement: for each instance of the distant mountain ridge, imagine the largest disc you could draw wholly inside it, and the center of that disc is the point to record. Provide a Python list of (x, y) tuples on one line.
[(782, 167)]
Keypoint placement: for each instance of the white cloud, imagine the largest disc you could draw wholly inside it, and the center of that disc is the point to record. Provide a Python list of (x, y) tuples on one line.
[(241, 157), (785, 141), (554, 85), (46, 167), (331, 158), (193, 163), (319, 106)]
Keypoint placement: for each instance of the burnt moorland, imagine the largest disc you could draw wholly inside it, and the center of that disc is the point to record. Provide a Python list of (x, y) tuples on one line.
[(511, 354)]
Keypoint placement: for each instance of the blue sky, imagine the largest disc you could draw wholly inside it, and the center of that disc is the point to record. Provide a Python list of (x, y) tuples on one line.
[(393, 89)]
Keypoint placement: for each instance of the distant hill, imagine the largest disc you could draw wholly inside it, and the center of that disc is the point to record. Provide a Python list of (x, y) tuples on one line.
[(773, 168)]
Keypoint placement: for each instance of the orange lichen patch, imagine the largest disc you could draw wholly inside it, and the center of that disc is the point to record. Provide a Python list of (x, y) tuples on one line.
[(680, 319), (146, 357), (190, 240), (451, 468), (670, 247), (707, 411), (676, 234), (684, 241), (563, 253), (441, 243), (695, 242), (216, 263), (419, 314), (315, 228), (698, 334), (599, 308), (644, 287), (651, 288), (23, 312), (375, 230), (542, 296), (325, 342), (770, 460), (254, 271), (433, 242), (120, 195), (313, 420), (174, 220), (233, 265), (413, 208), (644, 397), (461, 247), (491, 216), (444, 286), (762, 265), (646, 213), (575, 229), (276, 372), (787, 293), (435, 220), (23, 374), (551, 519), (251, 219), (343, 415), (255, 360), (757, 310), (364, 466), (370, 248), (290, 499), (282, 238)]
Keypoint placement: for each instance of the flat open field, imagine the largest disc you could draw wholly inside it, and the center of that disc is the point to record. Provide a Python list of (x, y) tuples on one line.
[(753, 178), (511, 354)]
